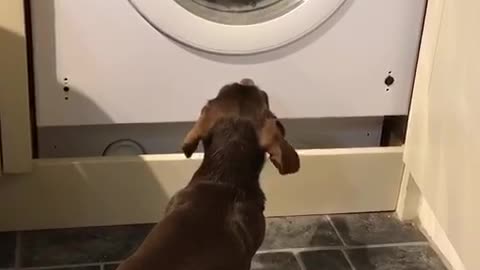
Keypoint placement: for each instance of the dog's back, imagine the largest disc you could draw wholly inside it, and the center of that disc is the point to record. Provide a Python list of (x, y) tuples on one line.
[(217, 221)]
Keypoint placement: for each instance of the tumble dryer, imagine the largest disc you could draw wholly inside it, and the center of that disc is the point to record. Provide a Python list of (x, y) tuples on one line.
[(157, 61)]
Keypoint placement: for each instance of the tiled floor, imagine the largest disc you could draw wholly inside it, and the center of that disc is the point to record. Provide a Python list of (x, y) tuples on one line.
[(343, 242)]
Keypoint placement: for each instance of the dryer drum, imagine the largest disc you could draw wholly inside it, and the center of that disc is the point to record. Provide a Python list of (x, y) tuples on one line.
[(236, 5), (239, 12)]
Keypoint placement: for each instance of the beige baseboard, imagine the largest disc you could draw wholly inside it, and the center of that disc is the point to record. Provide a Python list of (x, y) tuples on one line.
[(63, 193), (412, 205), (432, 227)]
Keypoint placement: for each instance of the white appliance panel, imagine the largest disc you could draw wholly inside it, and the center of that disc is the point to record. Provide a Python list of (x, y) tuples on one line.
[(117, 68)]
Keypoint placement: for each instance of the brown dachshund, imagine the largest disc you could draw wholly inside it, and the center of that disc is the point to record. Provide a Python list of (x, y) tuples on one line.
[(216, 222)]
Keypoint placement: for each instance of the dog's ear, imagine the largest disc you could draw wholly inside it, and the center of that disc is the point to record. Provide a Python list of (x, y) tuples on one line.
[(282, 154), (198, 131)]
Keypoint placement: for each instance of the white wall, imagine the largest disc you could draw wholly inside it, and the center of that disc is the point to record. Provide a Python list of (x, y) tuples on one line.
[(443, 139)]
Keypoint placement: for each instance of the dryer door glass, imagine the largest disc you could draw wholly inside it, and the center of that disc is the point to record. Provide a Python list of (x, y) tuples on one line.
[(239, 12)]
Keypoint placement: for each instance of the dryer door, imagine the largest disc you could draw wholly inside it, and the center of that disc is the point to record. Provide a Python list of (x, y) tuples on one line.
[(236, 26)]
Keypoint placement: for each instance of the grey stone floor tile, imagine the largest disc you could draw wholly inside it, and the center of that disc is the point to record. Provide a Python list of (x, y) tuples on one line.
[(275, 261), (80, 246), (325, 260), (375, 228), (110, 266), (299, 232), (109, 245), (7, 250), (396, 258)]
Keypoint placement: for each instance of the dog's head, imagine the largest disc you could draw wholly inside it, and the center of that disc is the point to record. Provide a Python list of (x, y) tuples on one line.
[(246, 101)]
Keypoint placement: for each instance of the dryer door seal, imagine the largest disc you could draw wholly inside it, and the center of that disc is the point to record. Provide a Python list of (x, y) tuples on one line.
[(232, 33)]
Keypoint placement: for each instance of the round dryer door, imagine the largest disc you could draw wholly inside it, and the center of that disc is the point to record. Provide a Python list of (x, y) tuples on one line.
[(236, 26)]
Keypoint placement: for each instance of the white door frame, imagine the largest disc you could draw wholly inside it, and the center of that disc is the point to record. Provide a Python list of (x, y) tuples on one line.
[(15, 124)]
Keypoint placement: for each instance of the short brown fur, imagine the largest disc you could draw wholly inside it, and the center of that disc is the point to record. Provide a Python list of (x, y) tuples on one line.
[(216, 222)]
